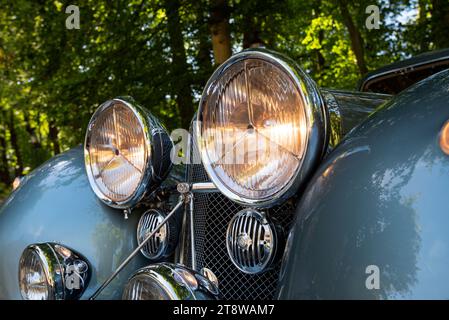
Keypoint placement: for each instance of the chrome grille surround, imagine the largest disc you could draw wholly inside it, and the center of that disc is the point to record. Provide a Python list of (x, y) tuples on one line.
[(251, 241)]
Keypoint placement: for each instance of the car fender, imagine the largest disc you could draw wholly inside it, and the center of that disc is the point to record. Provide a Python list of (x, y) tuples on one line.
[(55, 203), (373, 222)]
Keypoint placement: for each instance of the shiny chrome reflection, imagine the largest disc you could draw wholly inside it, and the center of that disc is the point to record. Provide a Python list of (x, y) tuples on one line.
[(262, 127), (163, 242), (252, 241), (127, 152), (50, 271), (209, 274), (166, 281)]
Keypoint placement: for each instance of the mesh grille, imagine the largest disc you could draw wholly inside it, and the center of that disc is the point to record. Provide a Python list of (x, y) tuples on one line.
[(212, 214)]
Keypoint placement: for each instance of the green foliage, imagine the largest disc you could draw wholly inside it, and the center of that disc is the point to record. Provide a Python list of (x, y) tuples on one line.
[(52, 79)]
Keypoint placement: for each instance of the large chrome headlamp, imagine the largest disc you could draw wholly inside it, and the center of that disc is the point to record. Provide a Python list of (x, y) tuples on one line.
[(50, 271), (261, 127), (127, 152), (166, 281)]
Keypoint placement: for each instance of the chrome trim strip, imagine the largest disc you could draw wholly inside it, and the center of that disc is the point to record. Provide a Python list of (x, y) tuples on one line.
[(192, 232), (180, 250), (395, 71), (200, 187)]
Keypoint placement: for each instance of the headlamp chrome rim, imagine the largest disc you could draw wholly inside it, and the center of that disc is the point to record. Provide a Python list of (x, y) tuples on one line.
[(46, 258), (317, 120), (150, 127)]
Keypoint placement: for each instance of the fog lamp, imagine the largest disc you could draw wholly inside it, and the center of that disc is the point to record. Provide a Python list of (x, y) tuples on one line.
[(50, 271), (166, 281)]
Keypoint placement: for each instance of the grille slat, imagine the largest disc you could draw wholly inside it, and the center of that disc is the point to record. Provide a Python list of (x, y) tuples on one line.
[(247, 230), (241, 230), (253, 245), (235, 237), (259, 247)]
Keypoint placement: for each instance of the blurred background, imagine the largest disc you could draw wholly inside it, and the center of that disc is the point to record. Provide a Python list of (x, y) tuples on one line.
[(162, 52)]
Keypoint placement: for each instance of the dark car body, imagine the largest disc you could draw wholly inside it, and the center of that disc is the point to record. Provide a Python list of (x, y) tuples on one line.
[(378, 199)]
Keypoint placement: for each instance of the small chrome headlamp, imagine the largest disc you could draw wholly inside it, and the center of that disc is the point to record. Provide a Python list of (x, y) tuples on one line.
[(50, 271), (127, 152), (166, 281)]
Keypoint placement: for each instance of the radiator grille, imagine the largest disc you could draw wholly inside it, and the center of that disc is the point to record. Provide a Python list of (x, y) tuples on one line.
[(212, 213)]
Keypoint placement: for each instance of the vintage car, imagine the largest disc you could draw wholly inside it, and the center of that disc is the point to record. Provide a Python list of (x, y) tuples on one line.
[(283, 190)]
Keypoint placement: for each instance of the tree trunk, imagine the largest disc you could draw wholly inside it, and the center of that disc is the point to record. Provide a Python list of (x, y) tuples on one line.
[(356, 37), (204, 48), (251, 33), (440, 23), (15, 144), (35, 142), (320, 61), (422, 23), (53, 135), (4, 171), (319, 58), (219, 28), (180, 70)]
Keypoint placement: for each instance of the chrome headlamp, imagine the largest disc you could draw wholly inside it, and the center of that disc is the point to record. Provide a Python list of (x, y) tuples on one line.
[(166, 281), (127, 153), (262, 127), (49, 271)]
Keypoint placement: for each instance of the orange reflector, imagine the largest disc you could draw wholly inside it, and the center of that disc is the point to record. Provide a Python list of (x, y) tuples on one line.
[(444, 138)]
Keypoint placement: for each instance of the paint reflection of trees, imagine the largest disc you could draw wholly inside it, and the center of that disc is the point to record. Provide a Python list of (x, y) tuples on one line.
[(365, 224), (394, 229), (111, 250)]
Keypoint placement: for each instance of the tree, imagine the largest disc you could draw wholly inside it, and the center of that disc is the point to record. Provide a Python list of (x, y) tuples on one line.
[(18, 169), (219, 28), (4, 170), (357, 44), (180, 69), (162, 52), (440, 23)]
